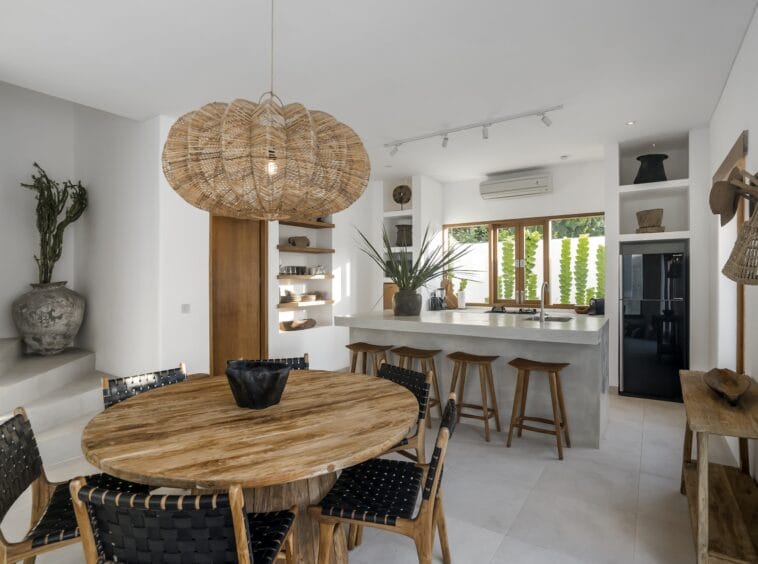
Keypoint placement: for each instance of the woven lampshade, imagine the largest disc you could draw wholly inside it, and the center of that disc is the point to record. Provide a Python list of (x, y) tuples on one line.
[(265, 161), (742, 265)]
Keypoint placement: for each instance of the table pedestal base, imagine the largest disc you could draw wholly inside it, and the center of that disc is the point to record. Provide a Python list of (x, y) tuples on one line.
[(301, 494)]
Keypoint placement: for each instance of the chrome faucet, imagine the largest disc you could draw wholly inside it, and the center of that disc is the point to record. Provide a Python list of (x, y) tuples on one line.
[(542, 301)]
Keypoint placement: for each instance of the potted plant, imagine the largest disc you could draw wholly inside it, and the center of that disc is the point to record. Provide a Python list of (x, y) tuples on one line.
[(48, 317), (409, 275)]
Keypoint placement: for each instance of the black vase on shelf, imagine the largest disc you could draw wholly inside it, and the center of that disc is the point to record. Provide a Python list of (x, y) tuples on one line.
[(257, 385), (651, 169)]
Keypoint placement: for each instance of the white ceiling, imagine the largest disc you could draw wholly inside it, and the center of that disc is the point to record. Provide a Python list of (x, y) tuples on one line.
[(396, 68)]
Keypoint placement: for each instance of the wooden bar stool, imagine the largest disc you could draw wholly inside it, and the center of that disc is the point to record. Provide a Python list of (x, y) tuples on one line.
[(461, 361), (378, 354), (407, 357), (559, 420)]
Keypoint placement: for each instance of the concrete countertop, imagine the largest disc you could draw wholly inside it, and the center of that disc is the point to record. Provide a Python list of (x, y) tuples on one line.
[(476, 322)]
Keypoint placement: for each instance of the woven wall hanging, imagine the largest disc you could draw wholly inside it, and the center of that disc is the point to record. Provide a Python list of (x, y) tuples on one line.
[(742, 265), (265, 160)]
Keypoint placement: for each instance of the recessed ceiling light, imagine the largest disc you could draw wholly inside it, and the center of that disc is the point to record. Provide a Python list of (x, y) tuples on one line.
[(630, 122), (564, 157)]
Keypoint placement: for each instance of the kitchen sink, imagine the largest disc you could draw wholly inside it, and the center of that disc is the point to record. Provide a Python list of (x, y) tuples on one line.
[(558, 318)]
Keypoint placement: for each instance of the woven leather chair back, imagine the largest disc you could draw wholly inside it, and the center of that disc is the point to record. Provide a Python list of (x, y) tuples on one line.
[(449, 418), (414, 381), (172, 529), (296, 363), (20, 462), (116, 390)]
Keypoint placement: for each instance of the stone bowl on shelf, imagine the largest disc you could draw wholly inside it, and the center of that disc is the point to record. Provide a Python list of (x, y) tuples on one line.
[(727, 383), (650, 218)]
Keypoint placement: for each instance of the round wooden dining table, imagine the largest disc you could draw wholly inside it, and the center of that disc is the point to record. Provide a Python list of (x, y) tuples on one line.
[(193, 436)]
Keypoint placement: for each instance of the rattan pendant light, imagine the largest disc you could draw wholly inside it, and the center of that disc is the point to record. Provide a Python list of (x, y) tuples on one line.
[(265, 160)]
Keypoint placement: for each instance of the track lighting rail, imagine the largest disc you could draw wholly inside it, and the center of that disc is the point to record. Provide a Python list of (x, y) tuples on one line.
[(485, 125)]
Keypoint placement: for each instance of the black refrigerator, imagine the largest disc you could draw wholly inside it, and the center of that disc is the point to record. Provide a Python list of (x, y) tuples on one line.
[(654, 318)]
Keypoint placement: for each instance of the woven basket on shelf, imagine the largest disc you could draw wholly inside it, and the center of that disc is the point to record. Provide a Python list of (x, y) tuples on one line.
[(650, 218), (265, 160), (742, 265)]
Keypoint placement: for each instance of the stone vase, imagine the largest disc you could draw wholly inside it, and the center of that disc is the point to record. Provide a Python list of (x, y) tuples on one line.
[(406, 303), (651, 169), (48, 317)]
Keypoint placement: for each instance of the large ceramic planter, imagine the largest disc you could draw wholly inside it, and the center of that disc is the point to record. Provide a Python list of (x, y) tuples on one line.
[(406, 302), (48, 317)]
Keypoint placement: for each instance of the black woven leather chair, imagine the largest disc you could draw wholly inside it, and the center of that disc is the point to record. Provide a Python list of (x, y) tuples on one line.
[(176, 529), (53, 521), (382, 493), (420, 385), (116, 390), (296, 363)]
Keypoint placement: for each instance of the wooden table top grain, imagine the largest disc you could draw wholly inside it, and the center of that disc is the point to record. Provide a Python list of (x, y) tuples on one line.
[(709, 413), (193, 435)]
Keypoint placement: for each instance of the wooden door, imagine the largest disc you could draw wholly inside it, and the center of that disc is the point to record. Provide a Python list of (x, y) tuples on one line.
[(238, 290)]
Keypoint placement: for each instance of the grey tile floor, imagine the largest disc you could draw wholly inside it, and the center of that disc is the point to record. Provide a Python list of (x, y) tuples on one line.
[(618, 504)]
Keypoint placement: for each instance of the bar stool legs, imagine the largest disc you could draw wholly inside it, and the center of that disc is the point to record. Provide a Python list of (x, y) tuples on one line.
[(377, 353), (406, 358), (559, 422), (489, 409)]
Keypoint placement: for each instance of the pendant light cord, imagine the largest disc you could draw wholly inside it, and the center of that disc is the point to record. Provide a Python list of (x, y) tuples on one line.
[(272, 48)]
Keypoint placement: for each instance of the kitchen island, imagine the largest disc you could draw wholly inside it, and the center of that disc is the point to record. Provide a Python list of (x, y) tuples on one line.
[(581, 341)]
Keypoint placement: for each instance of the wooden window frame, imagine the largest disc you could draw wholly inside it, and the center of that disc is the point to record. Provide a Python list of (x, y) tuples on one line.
[(519, 224)]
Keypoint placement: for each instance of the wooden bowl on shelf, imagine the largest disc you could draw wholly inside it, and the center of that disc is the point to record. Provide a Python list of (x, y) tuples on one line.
[(582, 309), (297, 324)]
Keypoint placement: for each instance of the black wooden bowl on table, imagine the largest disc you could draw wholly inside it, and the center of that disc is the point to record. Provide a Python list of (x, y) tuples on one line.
[(257, 385)]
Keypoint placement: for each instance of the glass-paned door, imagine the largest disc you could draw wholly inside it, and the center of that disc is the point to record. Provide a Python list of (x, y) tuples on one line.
[(475, 264), (506, 283), (533, 271)]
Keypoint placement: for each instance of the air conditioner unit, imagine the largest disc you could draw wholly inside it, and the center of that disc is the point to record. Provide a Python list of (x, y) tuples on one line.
[(511, 185)]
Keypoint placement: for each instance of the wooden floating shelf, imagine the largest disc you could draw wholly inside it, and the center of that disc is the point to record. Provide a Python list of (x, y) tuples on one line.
[(311, 250), (398, 213), (308, 224), (305, 276), (663, 236), (655, 186), (733, 512), (298, 305)]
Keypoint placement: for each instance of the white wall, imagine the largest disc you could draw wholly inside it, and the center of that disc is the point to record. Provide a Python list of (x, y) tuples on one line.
[(33, 127), (736, 111), (184, 236), (577, 188), (117, 250)]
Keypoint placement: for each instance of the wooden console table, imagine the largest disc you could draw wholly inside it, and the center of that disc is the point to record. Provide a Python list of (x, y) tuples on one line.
[(723, 500)]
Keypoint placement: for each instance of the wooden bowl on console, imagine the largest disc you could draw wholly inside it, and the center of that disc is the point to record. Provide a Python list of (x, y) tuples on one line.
[(727, 383)]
